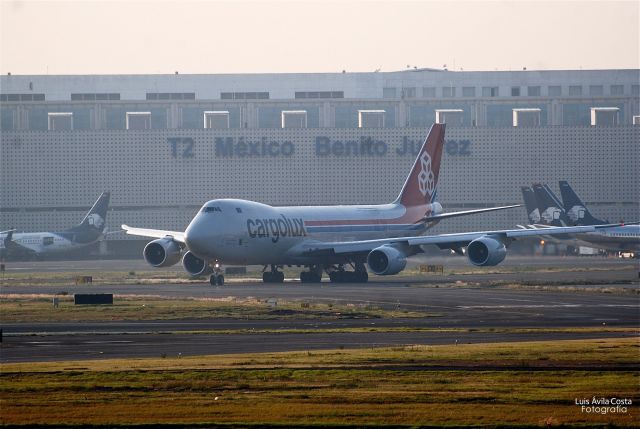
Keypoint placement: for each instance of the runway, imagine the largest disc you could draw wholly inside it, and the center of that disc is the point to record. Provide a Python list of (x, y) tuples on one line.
[(465, 308)]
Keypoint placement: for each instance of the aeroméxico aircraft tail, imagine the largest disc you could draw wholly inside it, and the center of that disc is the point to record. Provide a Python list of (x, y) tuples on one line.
[(551, 210), (530, 204), (94, 222), (577, 211)]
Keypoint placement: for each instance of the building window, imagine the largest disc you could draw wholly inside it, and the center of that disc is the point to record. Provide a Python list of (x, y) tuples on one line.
[(489, 91), (448, 91), (596, 90), (575, 90), (245, 95), (138, 121), (526, 117), (60, 121), (408, 93), (468, 91), (449, 116), (319, 94), (216, 119), (617, 90), (515, 91), (21, 97), (636, 120), (555, 91), (604, 116), (294, 118), (429, 92), (94, 96), (388, 93), (533, 91), (171, 95), (371, 118)]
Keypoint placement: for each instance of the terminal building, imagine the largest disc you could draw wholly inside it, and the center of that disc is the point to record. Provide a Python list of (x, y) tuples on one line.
[(165, 144)]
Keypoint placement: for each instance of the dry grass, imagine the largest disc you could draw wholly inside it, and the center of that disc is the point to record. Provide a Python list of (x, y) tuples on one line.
[(374, 386), (39, 308)]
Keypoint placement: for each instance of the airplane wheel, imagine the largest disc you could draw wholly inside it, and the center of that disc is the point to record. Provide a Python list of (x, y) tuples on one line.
[(273, 277), (336, 276), (212, 279), (220, 280), (362, 276), (310, 277)]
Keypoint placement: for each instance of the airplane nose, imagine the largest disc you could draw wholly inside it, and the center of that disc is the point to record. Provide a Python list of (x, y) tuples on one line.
[(197, 240)]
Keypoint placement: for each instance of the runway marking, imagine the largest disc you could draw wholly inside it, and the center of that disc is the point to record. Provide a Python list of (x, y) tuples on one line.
[(466, 307)]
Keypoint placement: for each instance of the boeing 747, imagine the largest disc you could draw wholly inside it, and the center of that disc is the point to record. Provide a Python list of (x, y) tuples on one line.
[(328, 238)]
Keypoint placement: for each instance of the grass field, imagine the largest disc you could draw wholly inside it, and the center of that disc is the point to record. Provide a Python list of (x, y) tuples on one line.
[(39, 308), (467, 385)]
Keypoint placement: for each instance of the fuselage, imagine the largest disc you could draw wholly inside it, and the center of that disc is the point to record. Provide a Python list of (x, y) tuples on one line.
[(617, 239), (247, 232), (51, 242), (620, 238)]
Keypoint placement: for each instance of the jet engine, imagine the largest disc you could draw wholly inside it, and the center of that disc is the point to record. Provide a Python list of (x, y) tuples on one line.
[(194, 265), (386, 260), (162, 252), (486, 251)]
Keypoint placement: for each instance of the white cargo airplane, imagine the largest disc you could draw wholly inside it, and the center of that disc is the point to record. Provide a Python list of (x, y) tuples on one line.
[(326, 238), (88, 231)]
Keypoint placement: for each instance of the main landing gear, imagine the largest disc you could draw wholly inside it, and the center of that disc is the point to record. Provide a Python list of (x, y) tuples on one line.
[(358, 275), (273, 276), (314, 275)]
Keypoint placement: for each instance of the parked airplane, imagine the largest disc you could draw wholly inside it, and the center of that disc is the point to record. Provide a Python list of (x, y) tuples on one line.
[(90, 230), (326, 238), (553, 213)]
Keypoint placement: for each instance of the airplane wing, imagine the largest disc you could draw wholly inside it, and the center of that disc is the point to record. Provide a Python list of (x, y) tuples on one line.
[(466, 212), (154, 233), (444, 241)]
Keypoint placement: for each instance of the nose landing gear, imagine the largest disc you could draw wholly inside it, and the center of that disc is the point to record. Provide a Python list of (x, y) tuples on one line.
[(216, 279)]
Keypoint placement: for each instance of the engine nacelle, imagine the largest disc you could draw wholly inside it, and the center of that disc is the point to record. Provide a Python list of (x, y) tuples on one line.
[(386, 260), (162, 252), (486, 251), (194, 265)]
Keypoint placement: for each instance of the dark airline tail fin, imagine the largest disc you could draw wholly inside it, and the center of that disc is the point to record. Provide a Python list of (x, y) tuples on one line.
[(96, 217), (577, 211), (93, 224), (420, 186), (530, 204), (551, 210)]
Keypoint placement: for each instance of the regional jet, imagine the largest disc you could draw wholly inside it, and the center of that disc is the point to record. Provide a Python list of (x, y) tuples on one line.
[(90, 230), (326, 239)]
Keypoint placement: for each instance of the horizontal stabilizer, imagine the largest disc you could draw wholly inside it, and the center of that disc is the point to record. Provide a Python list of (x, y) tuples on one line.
[(465, 213)]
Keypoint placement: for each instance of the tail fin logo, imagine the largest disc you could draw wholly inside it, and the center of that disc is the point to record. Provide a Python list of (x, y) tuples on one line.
[(95, 220), (576, 213), (426, 178)]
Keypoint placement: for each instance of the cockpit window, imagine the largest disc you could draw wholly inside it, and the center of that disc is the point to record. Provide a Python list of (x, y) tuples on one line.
[(238, 209), (210, 209)]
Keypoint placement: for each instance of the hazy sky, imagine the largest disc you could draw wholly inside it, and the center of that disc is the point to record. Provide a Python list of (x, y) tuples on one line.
[(110, 36)]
